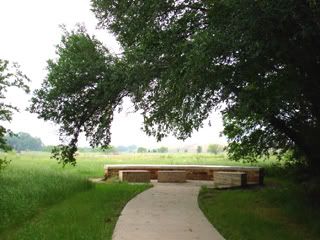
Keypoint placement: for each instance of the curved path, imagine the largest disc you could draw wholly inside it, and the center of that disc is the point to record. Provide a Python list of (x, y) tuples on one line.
[(167, 211)]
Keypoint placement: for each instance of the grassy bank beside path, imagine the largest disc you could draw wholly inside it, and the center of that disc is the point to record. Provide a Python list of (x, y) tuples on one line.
[(86, 215), (280, 210), (41, 200)]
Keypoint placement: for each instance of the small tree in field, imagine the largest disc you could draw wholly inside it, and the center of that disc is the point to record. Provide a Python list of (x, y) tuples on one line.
[(141, 150), (163, 150), (199, 149), (215, 148)]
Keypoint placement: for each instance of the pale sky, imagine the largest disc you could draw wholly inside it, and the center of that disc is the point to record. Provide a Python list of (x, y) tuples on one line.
[(29, 31)]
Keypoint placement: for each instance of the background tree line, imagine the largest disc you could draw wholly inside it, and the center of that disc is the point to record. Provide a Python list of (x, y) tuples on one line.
[(24, 142)]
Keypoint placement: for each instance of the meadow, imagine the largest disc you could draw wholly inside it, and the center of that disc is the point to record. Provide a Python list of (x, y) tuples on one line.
[(41, 200)]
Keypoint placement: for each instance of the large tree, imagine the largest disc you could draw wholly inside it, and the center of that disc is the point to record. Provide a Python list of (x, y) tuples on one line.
[(257, 61)]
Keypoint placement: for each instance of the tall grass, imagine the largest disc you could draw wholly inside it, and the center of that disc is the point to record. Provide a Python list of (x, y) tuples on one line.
[(33, 185), (89, 215), (27, 186)]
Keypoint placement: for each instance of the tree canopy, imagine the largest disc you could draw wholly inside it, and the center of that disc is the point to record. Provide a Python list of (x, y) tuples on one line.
[(80, 93), (24, 142), (10, 76), (256, 61)]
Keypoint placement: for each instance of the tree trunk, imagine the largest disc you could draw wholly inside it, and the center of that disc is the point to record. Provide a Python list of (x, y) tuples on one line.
[(308, 142)]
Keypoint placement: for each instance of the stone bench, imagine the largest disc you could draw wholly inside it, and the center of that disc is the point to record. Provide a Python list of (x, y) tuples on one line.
[(230, 179), (172, 176), (255, 175), (134, 176)]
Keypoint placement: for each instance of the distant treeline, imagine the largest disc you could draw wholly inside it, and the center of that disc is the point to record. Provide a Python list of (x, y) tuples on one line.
[(25, 142), (110, 149), (153, 150), (211, 148)]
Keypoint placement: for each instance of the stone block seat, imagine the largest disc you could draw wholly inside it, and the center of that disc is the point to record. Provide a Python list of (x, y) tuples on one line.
[(230, 179), (134, 176), (173, 176), (255, 175)]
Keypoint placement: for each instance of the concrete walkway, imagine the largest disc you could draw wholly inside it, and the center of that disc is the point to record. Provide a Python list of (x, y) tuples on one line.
[(168, 211)]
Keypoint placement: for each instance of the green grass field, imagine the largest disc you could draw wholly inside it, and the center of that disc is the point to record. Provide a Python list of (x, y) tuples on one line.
[(41, 200)]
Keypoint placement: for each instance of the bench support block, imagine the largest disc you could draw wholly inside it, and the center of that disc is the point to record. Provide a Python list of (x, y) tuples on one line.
[(134, 176), (172, 176), (230, 179)]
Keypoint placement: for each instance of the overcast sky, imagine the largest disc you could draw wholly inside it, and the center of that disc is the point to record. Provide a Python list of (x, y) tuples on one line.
[(29, 31)]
